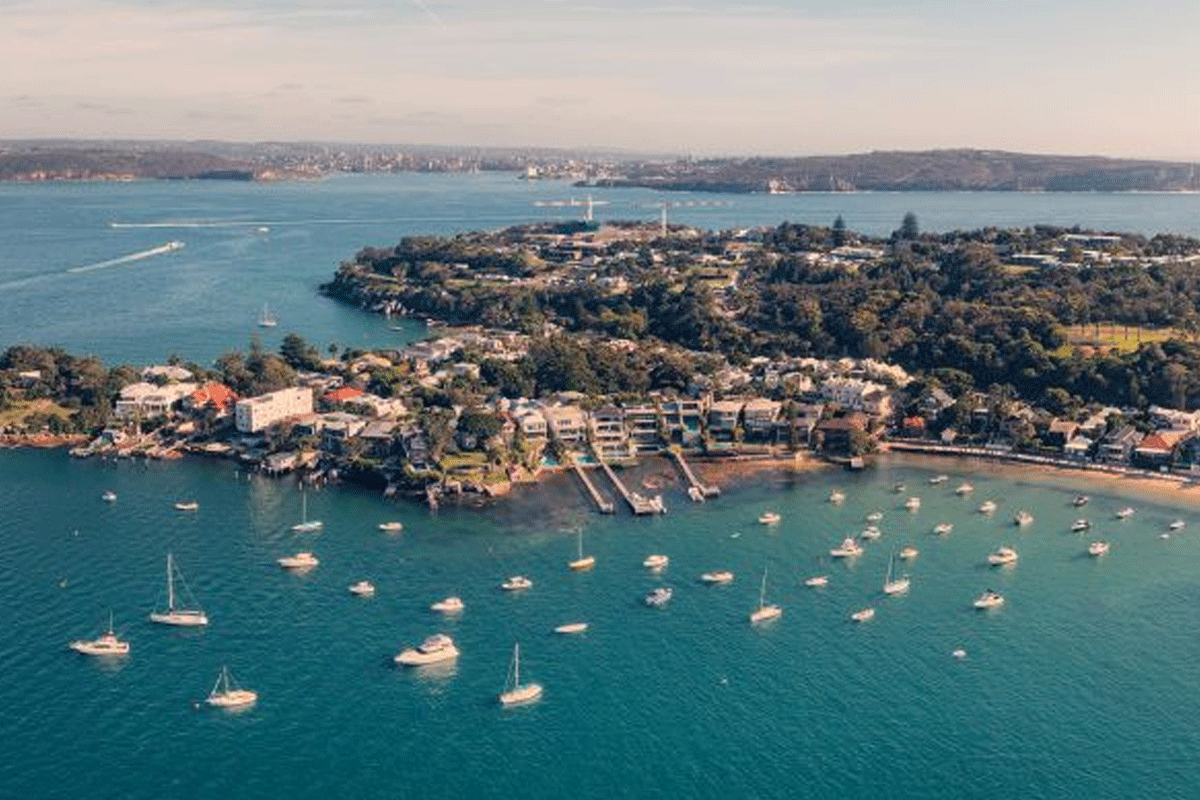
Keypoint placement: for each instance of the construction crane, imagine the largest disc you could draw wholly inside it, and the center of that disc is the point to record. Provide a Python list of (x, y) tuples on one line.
[(587, 203)]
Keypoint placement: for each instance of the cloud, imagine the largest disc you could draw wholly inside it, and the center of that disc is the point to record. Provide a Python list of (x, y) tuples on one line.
[(353, 99)]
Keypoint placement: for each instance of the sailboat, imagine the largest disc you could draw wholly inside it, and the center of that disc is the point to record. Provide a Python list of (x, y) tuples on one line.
[(894, 585), (765, 612), (227, 694), (581, 563), (305, 525), (519, 694), (186, 617), (267, 320)]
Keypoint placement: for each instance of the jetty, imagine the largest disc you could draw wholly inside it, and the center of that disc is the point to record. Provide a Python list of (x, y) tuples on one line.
[(603, 504), (696, 490), (639, 504)]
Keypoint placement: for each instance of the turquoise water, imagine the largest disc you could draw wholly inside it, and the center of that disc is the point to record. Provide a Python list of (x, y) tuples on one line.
[(206, 298), (1082, 685)]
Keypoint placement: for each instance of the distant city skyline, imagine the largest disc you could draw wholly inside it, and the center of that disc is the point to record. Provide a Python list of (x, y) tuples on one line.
[(706, 77)]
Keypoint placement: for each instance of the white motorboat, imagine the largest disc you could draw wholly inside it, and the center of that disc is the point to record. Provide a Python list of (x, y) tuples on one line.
[(909, 553), (1022, 518), (301, 560), (817, 581), (572, 627), (451, 605), (1080, 500), (863, 615), (769, 518), (964, 488), (107, 644), (899, 487), (362, 589), (837, 496), (870, 533), (227, 694), (895, 585), (656, 563), (306, 525), (517, 693), (1177, 525), (1125, 513), (719, 576), (987, 507), (912, 503), (765, 610), (989, 599), (659, 597), (516, 583), (1080, 525), (581, 563), (874, 516), (391, 527), (109, 497), (186, 617), (938, 479), (943, 528), (188, 505), (1003, 555), (433, 650), (847, 549), (1098, 548)]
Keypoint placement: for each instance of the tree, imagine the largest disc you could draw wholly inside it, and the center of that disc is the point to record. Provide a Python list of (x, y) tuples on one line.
[(909, 229), (839, 231), (298, 353)]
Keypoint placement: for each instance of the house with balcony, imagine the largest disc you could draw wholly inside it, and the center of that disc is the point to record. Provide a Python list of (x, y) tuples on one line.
[(759, 416), (644, 426), (567, 424), (608, 435), (146, 400), (724, 416), (255, 414)]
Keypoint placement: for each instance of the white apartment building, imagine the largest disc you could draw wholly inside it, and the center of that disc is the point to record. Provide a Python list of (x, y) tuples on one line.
[(257, 413)]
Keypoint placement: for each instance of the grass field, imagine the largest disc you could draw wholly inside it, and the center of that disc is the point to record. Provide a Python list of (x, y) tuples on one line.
[(1124, 338), (17, 413)]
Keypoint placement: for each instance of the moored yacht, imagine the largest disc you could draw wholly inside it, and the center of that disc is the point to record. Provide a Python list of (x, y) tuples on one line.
[(874, 516), (817, 581), (1003, 555), (987, 507), (769, 518), (227, 694), (517, 582), (451, 605), (1080, 500), (1098, 548), (895, 585), (938, 479), (519, 693), (391, 527), (1177, 525), (847, 549), (572, 627), (837, 496), (765, 611), (106, 645), (1080, 525), (659, 597), (109, 496), (436, 648), (964, 488), (302, 560), (1125, 513), (657, 563), (870, 533), (719, 576), (908, 553), (912, 503), (942, 528), (989, 599), (1022, 518), (863, 615), (187, 505), (362, 589)]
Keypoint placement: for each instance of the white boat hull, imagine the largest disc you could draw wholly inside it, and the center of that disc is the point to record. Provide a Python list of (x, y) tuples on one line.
[(232, 699), (185, 619), (766, 613), (417, 658), (521, 694), (572, 627)]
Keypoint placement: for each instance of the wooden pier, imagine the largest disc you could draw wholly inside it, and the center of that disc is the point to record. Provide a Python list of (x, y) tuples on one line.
[(603, 505), (696, 490), (639, 504)]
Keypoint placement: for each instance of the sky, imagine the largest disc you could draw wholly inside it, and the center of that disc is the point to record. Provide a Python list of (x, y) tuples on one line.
[(706, 77)]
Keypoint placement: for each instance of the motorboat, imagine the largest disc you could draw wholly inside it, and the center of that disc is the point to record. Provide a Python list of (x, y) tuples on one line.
[(227, 694), (517, 582), (656, 562), (1098, 548), (837, 496), (1177, 525), (908, 553), (436, 648), (1080, 500), (1003, 555), (817, 581), (572, 627), (769, 518), (765, 611), (659, 597), (1022, 518), (938, 479), (870, 533), (391, 527), (847, 549), (989, 599), (517, 693), (301, 560), (987, 507), (362, 589), (1080, 525), (899, 488), (189, 505), (874, 516), (942, 528), (1125, 513), (107, 644), (109, 497), (451, 605), (912, 503), (964, 488), (185, 617), (863, 615), (720, 576)]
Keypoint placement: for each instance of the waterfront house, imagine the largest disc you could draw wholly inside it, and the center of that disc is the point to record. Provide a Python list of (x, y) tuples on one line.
[(837, 435), (379, 437), (1078, 449), (1118, 445), (723, 419), (1157, 450), (145, 400), (643, 423), (215, 397), (254, 414), (566, 424), (1060, 431), (759, 416), (682, 420), (1174, 419), (608, 435)]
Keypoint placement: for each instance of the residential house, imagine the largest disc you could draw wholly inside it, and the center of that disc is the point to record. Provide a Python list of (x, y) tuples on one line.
[(1117, 447), (1060, 431), (1157, 450), (608, 435), (1078, 449), (145, 400), (837, 434), (215, 397), (759, 416), (254, 414), (723, 419), (644, 425), (566, 424)]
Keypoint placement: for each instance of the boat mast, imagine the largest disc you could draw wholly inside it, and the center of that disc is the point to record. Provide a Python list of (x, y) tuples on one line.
[(170, 584), (762, 591), (516, 665)]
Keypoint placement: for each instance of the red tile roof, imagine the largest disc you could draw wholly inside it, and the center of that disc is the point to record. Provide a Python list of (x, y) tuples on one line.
[(217, 395), (344, 393)]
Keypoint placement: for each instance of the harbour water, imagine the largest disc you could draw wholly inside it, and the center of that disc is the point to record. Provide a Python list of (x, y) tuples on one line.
[(1082, 685)]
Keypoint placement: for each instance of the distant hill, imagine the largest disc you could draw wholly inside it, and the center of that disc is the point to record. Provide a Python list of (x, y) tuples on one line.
[(932, 170), (94, 163)]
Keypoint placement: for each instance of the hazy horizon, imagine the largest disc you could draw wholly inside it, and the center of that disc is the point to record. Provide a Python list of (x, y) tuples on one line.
[(706, 78)]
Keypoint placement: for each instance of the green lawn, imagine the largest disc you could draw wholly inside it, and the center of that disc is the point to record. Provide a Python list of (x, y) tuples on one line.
[(1124, 338)]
